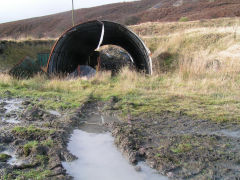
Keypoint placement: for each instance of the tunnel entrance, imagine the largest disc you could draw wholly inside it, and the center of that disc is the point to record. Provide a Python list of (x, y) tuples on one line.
[(78, 45)]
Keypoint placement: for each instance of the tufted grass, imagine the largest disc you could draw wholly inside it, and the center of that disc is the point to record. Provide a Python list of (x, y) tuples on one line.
[(196, 73), (214, 97)]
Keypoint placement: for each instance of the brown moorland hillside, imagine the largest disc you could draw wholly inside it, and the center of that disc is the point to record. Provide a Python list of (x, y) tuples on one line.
[(126, 13)]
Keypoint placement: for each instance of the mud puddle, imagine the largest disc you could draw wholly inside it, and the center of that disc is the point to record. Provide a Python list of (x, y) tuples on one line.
[(53, 112), (98, 158), (13, 160), (228, 133), (178, 147), (10, 110)]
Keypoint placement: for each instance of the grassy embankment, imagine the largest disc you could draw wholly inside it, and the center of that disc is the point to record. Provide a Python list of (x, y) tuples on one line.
[(196, 68), (11, 52)]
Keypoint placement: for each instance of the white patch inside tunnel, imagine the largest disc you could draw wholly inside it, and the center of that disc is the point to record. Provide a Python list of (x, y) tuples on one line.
[(102, 35)]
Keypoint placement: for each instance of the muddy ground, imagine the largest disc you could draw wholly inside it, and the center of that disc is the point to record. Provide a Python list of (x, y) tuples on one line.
[(33, 141)]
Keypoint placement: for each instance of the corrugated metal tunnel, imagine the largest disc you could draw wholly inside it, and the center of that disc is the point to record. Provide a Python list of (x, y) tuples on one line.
[(78, 44)]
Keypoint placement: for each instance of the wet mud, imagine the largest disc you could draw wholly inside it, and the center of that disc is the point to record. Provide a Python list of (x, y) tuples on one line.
[(182, 148), (33, 139)]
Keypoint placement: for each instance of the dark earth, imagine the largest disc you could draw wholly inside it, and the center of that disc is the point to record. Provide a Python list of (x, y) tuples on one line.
[(177, 146)]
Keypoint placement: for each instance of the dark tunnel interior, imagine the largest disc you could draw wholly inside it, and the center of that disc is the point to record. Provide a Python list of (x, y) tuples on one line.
[(77, 46)]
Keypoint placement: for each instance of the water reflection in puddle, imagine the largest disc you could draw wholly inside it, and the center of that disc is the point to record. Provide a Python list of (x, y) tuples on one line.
[(98, 158), (53, 112), (11, 120), (13, 160), (234, 134), (12, 107)]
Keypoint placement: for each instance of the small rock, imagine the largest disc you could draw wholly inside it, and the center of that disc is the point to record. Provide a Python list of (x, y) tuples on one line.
[(170, 175), (33, 114), (48, 117), (115, 99), (142, 151), (151, 163), (66, 156), (58, 171), (8, 93), (8, 115), (41, 150), (138, 168), (18, 142), (26, 165), (20, 151), (6, 139), (25, 103), (213, 65), (54, 162), (2, 110), (132, 158), (3, 103)]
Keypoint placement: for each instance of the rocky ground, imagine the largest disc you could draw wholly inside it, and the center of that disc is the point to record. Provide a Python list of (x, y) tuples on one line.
[(33, 141)]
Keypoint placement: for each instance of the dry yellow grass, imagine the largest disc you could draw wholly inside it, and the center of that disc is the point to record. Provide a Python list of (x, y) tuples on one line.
[(202, 47), (210, 97), (27, 38), (204, 82)]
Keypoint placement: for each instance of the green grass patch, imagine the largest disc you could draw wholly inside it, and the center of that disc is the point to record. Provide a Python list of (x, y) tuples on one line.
[(48, 142), (137, 94), (182, 148), (43, 159), (32, 174), (27, 148), (31, 130), (183, 19), (4, 157)]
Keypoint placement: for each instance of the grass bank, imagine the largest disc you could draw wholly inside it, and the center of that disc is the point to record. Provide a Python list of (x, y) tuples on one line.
[(196, 73), (11, 52), (212, 97), (194, 48)]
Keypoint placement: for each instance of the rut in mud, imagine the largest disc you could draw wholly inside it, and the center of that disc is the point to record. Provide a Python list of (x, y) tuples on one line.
[(37, 143), (98, 158)]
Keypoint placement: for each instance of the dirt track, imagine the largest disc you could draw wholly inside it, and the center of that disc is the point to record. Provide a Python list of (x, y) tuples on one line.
[(177, 146)]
